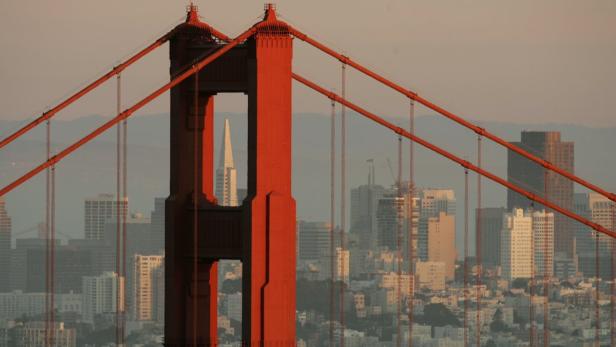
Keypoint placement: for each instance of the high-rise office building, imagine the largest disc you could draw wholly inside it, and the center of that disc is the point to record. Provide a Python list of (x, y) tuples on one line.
[(20, 261), (533, 177), (442, 242), (71, 264), (101, 295), (435, 201), (341, 265), (364, 203), (158, 293), (157, 218), (99, 211), (144, 266), (390, 220), (226, 174), (543, 238), (491, 228), (432, 202), (314, 238), (516, 244), (599, 210), (5, 248)]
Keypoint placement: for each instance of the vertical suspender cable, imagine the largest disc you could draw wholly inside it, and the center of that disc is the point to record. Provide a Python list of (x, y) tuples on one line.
[(547, 265), (52, 228), (411, 237), (118, 211), (532, 284), (342, 200), (332, 221), (466, 254), (124, 209), (597, 308), (196, 194), (48, 263), (399, 209), (478, 247), (613, 282)]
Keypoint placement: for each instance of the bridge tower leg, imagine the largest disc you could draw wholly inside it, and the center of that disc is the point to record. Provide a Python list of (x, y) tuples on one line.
[(261, 232), (269, 257)]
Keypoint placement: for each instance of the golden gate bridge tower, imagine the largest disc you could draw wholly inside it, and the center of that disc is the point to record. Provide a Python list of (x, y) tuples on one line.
[(260, 232), (199, 232)]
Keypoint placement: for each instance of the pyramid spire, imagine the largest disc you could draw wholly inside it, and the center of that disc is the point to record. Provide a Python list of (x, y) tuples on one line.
[(226, 150)]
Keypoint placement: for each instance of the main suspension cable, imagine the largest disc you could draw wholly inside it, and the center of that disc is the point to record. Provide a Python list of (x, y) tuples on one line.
[(127, 113)]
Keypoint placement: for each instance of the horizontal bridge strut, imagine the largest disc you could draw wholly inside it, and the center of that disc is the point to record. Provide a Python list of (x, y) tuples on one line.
[(128, 112), (477, 129), (466, 164)]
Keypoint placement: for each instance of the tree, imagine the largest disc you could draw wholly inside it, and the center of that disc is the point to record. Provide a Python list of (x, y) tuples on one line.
[(439, 315), (519, 283), (498, 324), (231, 286)]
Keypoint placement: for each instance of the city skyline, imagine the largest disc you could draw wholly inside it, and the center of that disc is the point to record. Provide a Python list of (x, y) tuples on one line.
[(500, 236)]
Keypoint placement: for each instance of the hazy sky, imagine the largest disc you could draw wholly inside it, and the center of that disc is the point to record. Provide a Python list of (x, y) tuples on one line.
[(525, 60)]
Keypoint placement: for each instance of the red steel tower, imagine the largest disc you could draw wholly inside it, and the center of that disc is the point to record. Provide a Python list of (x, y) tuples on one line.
[(260, 232)]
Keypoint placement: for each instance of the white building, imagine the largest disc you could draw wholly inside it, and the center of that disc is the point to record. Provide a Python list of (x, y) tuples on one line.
[(226, 174), (543, 236), (341, 266), (142, 285), (516, 244), (100, 210), (102, 294), (33, 334), (17, 304)]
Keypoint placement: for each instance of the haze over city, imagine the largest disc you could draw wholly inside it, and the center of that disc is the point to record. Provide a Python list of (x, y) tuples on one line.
[(348, 174)]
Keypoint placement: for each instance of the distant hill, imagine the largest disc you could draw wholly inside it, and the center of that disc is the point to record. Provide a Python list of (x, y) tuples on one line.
[(92, 169)]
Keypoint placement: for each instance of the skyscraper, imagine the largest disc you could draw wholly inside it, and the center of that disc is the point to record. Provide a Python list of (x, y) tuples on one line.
[(543, 238), (143, 298), (5, 248), (531, 176), (157, 218), (434, 201), (364, 202), (390, 214), (100, 294), (226, 175), (598, 209), (442, 242), (313, 240), (100, 210), (516, 244), (491, 228)]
